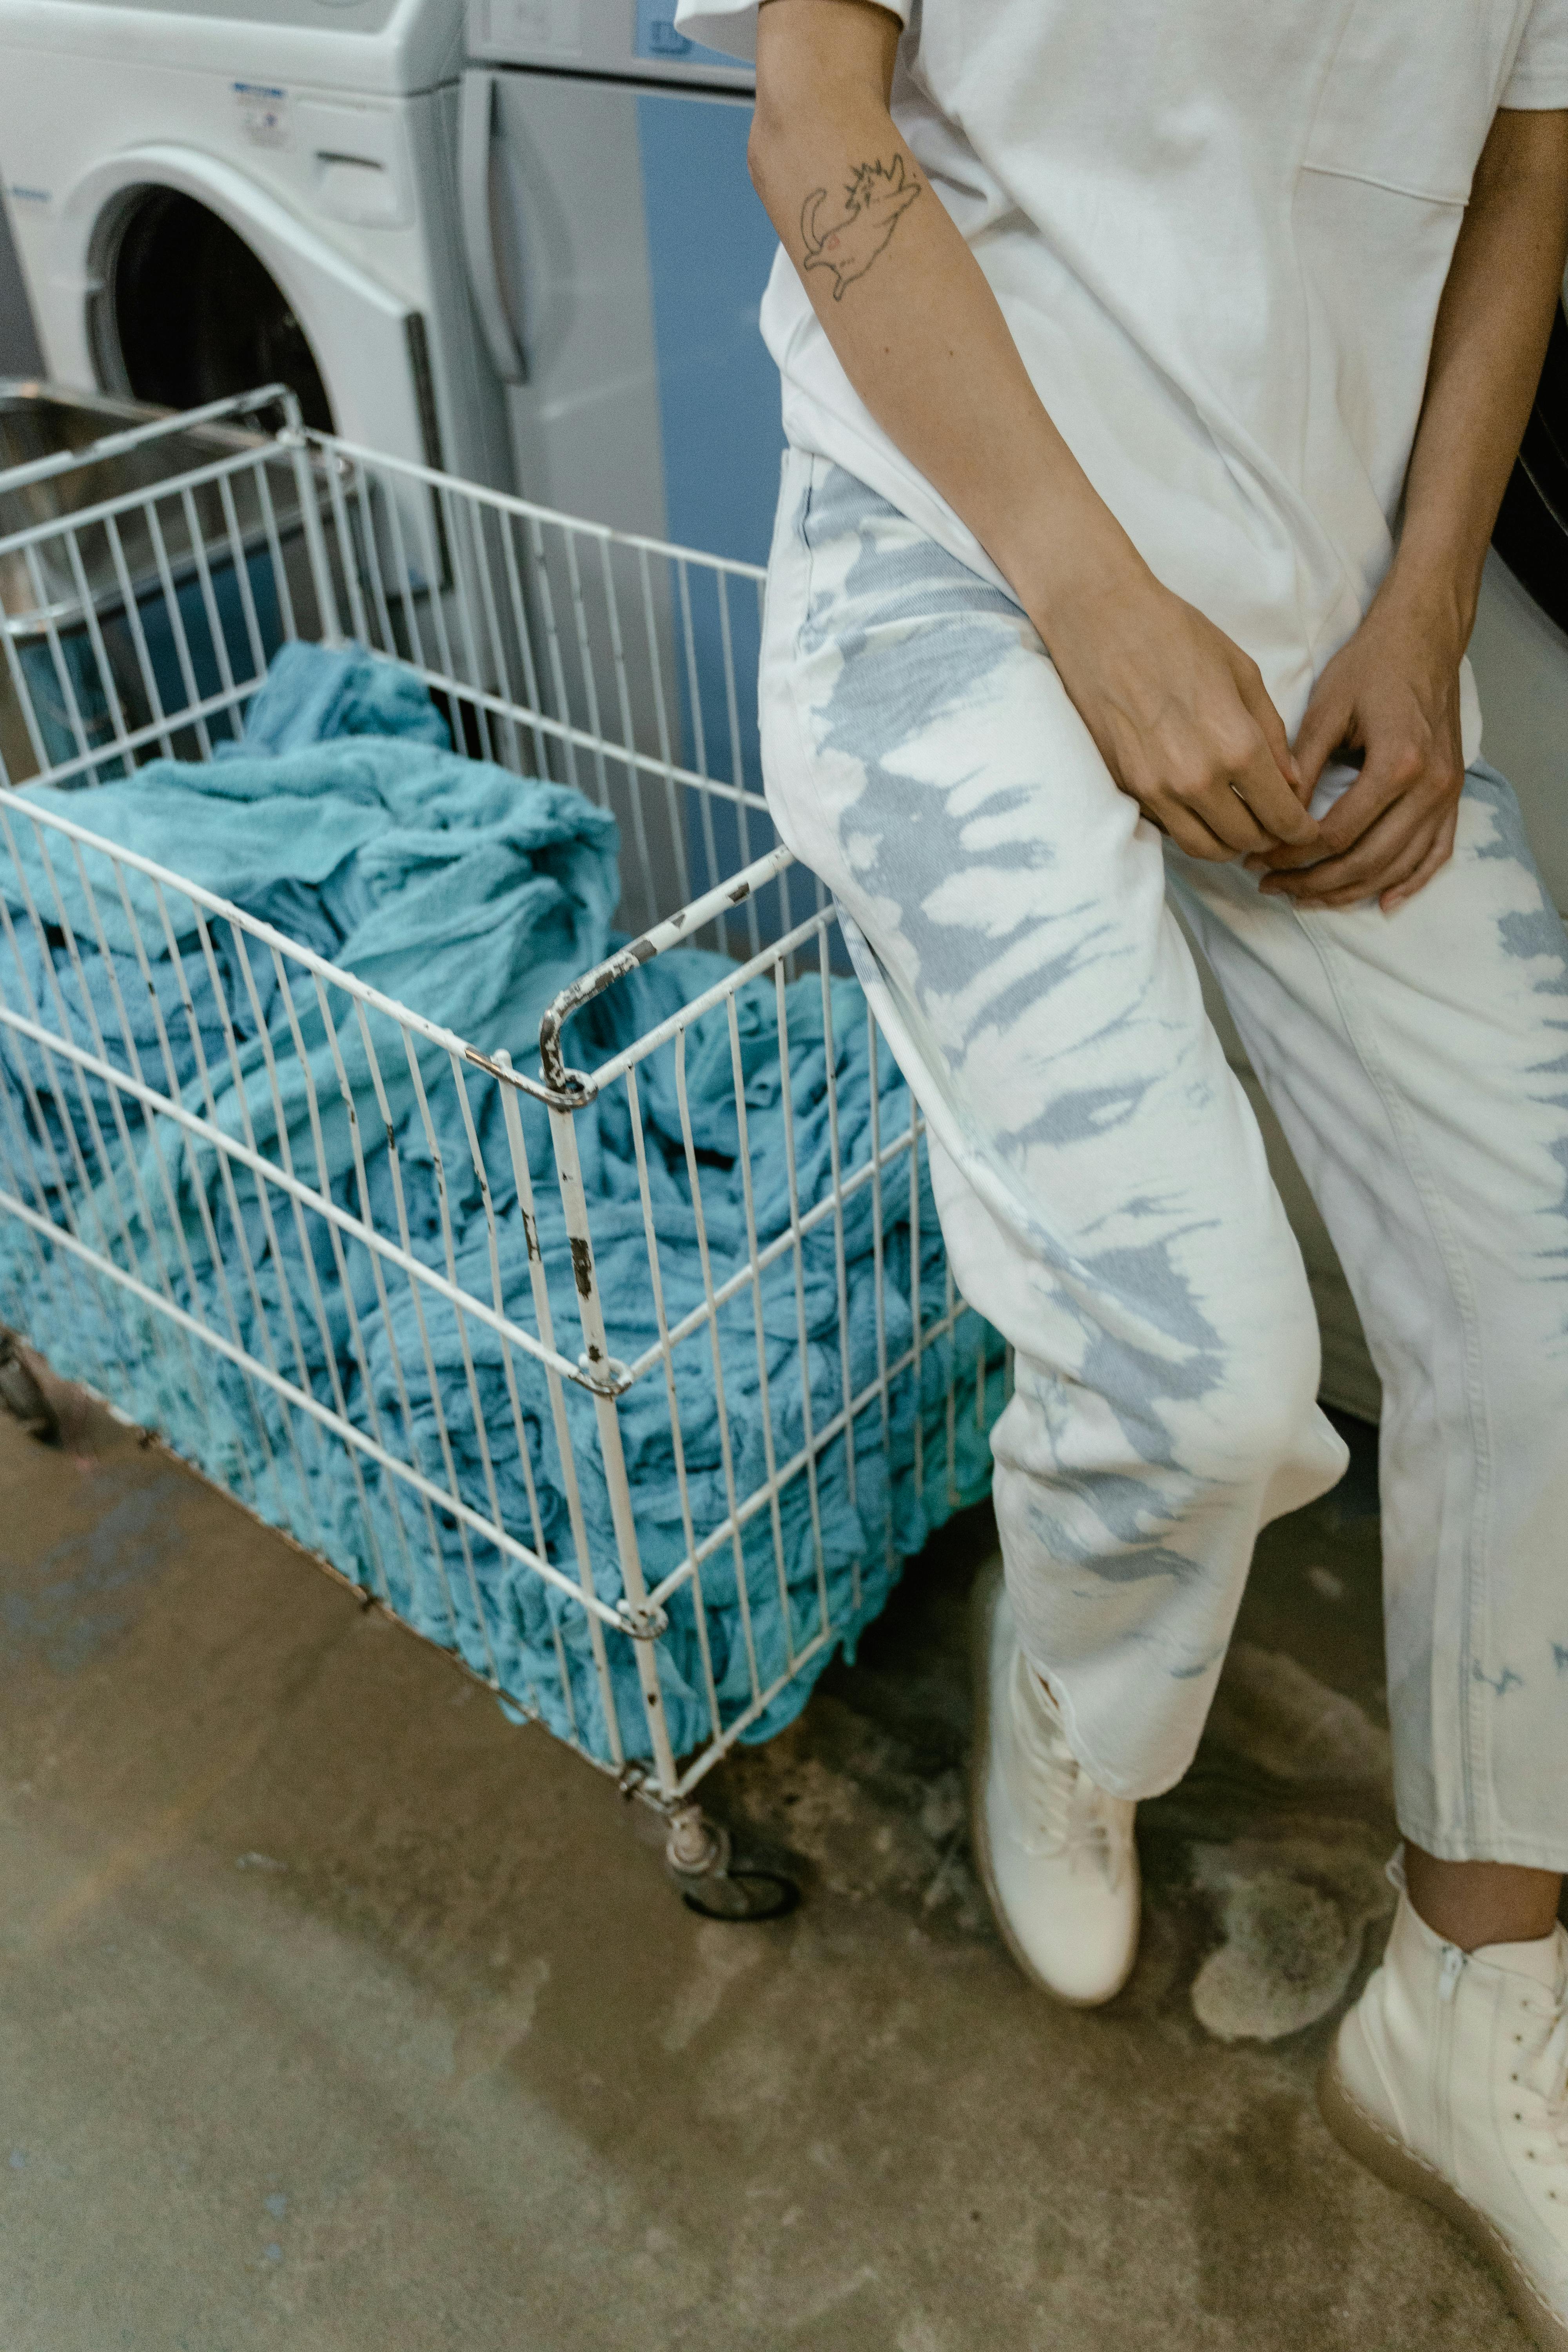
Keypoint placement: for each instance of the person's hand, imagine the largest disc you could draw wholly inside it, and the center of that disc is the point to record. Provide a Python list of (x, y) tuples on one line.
[(1390, 700), (1182, 719)]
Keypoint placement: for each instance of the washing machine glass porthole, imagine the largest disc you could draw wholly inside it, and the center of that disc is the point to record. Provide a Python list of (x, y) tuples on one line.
[(195, 316), (1532, 534)]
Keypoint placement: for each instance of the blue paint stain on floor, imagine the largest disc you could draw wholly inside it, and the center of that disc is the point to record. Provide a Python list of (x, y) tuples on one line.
[(72, 1601)]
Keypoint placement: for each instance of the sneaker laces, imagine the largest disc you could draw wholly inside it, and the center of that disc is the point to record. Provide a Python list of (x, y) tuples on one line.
[(1063, 1814)]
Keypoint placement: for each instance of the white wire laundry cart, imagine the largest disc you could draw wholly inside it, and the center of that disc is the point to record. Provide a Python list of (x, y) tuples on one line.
[(630, 1384)]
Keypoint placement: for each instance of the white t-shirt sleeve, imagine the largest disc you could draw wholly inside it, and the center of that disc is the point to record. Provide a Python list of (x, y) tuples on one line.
[(732, 25), (1540, 76)]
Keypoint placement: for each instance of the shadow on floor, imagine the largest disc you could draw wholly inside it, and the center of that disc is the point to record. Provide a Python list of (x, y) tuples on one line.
[(336, 2013), (1264, 1869)]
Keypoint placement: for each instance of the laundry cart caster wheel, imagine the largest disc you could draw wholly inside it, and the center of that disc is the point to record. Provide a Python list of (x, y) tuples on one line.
[(21, 1394), (712, 1884)]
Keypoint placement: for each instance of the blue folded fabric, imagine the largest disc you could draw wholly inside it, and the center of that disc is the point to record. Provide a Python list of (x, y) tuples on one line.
[(310, 696), (471, 897)]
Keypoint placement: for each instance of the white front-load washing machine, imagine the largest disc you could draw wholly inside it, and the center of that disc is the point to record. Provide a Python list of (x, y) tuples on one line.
[(209, 195)]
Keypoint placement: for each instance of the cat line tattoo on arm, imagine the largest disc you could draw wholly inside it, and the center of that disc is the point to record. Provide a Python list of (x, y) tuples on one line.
[(874, 201)]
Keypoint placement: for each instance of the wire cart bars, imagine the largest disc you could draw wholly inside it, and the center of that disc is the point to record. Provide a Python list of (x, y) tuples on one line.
[(617, 1352)]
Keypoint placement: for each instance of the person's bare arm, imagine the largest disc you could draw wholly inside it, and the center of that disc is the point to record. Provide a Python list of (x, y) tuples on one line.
[(1180, 714), (1392, 694)]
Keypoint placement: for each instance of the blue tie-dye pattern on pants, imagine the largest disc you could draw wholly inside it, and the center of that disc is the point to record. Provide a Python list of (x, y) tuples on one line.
[(1107, 1202)]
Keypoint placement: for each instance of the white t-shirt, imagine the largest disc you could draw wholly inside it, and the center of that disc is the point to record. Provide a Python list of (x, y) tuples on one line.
[(1218, 230)]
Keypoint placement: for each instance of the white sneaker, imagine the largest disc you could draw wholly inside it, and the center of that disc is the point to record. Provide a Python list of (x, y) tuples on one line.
[(1055, 1852), (1447, 2079)]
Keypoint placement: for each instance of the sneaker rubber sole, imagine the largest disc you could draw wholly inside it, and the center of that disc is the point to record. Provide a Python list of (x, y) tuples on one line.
[(981, 1608), (1361, 2134)]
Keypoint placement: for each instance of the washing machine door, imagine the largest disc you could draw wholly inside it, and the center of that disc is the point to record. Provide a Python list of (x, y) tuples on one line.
[(1532, 534), (188, 313), (191, 282)]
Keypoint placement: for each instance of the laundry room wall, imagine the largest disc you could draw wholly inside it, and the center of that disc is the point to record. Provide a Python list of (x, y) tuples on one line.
[(19, 353)]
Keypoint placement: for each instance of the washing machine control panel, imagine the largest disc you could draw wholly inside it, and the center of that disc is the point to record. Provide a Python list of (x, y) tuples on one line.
[(634, 40)]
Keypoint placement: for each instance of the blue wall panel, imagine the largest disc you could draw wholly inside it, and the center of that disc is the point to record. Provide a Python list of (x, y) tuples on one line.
[(711, 247)]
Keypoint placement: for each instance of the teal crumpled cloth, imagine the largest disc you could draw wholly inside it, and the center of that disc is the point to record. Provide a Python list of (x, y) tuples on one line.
[(472, 897)]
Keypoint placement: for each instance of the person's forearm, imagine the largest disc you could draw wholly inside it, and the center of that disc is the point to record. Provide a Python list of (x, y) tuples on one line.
[(907, 307), (1179, 713), (1492, 330)]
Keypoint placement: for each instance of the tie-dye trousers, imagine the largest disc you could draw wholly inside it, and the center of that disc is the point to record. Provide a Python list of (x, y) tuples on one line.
[(1106, 1200)]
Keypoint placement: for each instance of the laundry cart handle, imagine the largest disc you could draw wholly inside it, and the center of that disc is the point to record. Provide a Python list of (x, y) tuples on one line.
[(476, 133), (676, 930)]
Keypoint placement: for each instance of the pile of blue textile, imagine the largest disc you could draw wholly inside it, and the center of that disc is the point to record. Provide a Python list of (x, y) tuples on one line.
[(472, 897)]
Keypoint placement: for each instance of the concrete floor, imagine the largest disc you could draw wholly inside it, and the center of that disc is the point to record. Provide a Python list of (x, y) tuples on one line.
[(335, 2013)]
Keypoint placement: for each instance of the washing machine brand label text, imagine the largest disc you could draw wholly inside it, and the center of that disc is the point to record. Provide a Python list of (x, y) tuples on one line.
[(265, 119)]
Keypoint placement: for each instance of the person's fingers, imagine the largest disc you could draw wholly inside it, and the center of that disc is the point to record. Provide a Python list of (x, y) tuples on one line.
[(1286, 857), (1381, 784), (1437, 857), (1329, 719), (1237, 793), (1360, 874), (1226, 812), (1388, 775), (1359, 894), (1385, 779), (1359, 870), (1188, 829), (1414, 853), (1260, 706), (1272, 798), (1190, 780)]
